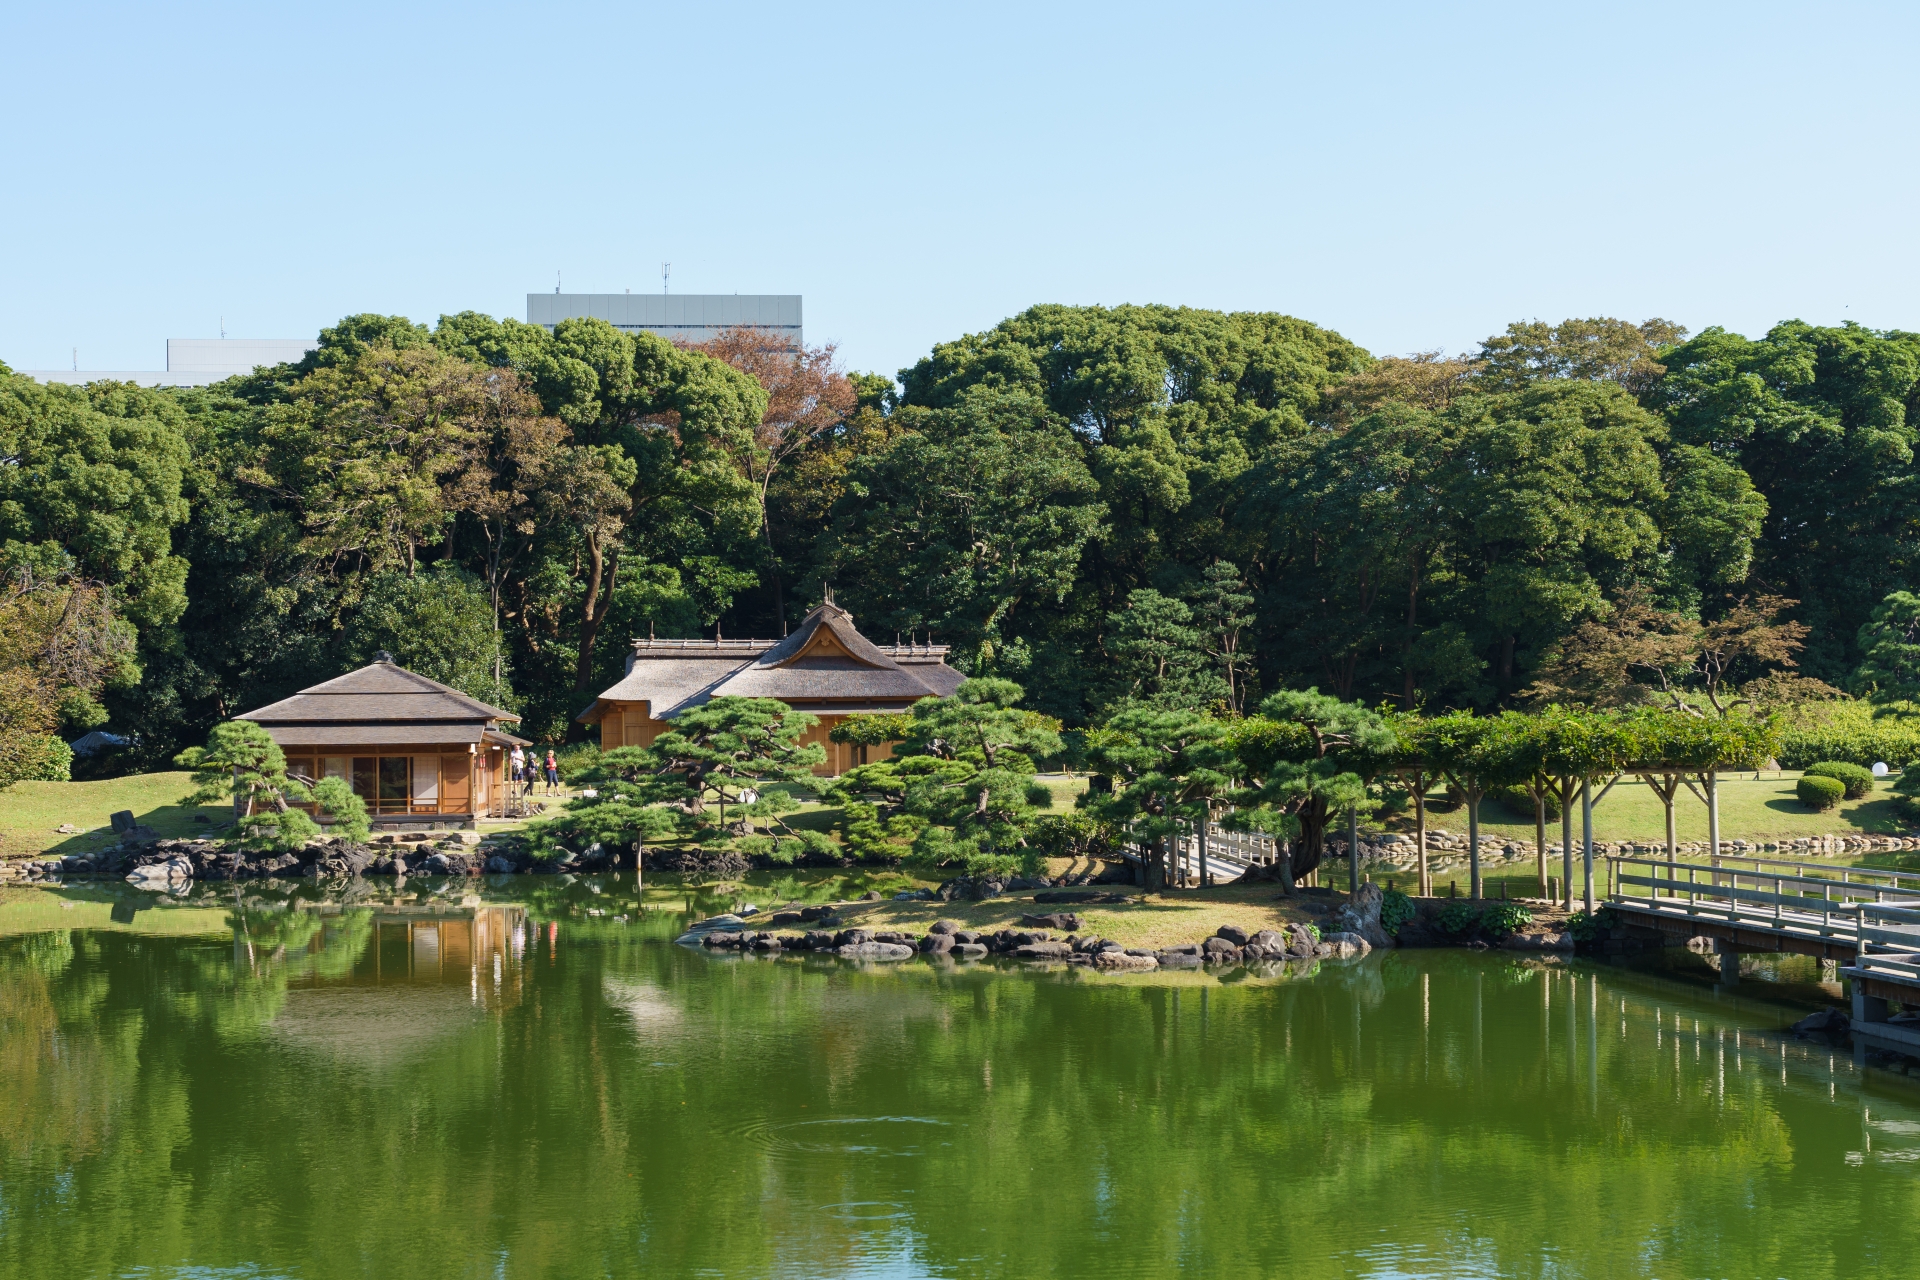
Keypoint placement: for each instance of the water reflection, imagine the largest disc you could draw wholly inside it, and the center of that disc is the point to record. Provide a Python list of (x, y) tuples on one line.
[(531, 1080)]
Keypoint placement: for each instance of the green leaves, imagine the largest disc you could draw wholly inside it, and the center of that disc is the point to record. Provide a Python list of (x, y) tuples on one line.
[(91, 483), (1890, 642), (977, 511)]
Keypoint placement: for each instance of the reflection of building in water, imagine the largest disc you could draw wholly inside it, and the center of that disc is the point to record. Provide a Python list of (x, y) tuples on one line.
[(440, 945)]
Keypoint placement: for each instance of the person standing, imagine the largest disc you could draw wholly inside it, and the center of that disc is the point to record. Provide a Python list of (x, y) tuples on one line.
[(553, 772), (519, 768)]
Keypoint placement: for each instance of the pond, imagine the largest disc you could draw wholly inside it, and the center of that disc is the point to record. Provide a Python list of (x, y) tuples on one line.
[(500, 1084)]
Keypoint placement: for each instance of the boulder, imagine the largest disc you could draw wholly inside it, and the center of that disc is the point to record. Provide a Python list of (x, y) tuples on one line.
[(1179, 960), (937, 943), (1064, 921), (943, 926), (813, 915), (819, 940), (784, 917), (1346, 945), (499, 865), (852, 937), (1043, 951), (176, 870), (1828, 1020), (1233, 933), (1361, 916), (968, 951), (965, 935), (1087, 896), (875, 951), (1124, 960)]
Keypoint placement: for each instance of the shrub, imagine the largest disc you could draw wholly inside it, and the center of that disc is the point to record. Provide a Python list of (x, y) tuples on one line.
[(1504, 918), (1584, 927), (1519, 802), (1857, 780), (1459, 916), (348, 811), (1847, 731), (576, 761), (1396, 908), (34, 757), (1820, 793)]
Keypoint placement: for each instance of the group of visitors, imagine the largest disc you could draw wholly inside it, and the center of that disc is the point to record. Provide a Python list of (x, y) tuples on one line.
[(527, 770)]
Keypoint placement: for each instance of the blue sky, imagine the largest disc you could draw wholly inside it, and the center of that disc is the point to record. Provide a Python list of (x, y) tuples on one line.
[(1412, 175)]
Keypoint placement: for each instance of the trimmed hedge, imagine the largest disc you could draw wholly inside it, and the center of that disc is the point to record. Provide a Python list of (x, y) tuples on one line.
[(1850, 732), (1820, 793), (1856, 779)]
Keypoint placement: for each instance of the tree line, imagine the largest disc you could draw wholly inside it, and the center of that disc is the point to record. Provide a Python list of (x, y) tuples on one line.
[(1127, 510)]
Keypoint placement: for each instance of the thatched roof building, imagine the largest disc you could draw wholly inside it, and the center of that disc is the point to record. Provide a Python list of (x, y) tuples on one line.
[(825, 668), (414, 749)]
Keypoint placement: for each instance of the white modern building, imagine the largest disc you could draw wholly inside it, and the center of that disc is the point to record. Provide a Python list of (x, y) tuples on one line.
[(193, 362), (679, 317)]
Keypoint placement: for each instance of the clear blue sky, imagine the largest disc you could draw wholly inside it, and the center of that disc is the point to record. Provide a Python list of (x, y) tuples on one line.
[(1414, 176)]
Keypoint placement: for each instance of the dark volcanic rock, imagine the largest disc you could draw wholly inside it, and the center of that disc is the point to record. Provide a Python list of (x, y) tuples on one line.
[(1064, 921), (720, 864)]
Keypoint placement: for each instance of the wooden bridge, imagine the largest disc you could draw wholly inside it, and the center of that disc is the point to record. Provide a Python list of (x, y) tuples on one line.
[(1864, 919)]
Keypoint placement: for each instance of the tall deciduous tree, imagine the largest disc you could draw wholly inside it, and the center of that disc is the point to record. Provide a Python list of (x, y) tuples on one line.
[(972, 513), (807, 396)]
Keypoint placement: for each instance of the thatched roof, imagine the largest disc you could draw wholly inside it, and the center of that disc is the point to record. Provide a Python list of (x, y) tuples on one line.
[(825, 665), (380, 703)]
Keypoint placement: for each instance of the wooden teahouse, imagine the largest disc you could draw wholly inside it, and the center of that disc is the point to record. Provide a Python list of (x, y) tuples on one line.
[(418, 752), (825, 668)]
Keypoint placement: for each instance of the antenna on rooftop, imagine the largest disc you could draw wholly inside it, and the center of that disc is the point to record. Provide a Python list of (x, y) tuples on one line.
[(223, 328), (556, 282), (666, 269), (76, 359)]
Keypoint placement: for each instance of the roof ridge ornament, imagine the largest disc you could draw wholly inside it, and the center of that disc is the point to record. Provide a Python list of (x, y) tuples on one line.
[(381, 655)]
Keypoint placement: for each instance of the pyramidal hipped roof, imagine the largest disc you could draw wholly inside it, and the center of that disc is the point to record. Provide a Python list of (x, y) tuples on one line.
[(382, 691)]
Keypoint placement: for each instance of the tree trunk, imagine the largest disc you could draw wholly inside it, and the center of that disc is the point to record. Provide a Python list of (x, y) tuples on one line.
[(1540, 838), (1566, 839), (1473, 844), (1420, 832), (1313, 838), (603, 570)]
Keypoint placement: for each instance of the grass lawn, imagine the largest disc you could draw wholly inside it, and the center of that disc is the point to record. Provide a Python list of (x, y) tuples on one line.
[(1141, 922), (1749, 809), (30, 812)]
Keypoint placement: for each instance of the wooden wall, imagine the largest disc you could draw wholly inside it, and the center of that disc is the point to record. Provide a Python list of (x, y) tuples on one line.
[(628, 724)]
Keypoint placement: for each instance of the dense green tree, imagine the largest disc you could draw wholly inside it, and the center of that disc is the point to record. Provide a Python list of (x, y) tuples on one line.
[(974, 513), (1890, 644), (1165, 768), (91, 484), (1308, 755), (437, 622), (1160, 654), (1818, 419)]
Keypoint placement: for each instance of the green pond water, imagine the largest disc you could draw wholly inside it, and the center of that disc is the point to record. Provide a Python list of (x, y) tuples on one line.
[(499, 1083)]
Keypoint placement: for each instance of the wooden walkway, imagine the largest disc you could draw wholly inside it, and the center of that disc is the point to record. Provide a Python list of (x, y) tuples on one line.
[(1866, 920)]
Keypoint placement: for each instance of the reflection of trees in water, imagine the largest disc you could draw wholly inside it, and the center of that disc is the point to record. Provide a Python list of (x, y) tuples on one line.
[(679, 1112), (59, 1072)]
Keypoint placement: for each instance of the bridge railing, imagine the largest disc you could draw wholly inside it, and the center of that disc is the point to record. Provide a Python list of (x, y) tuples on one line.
[(1780, 900)]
